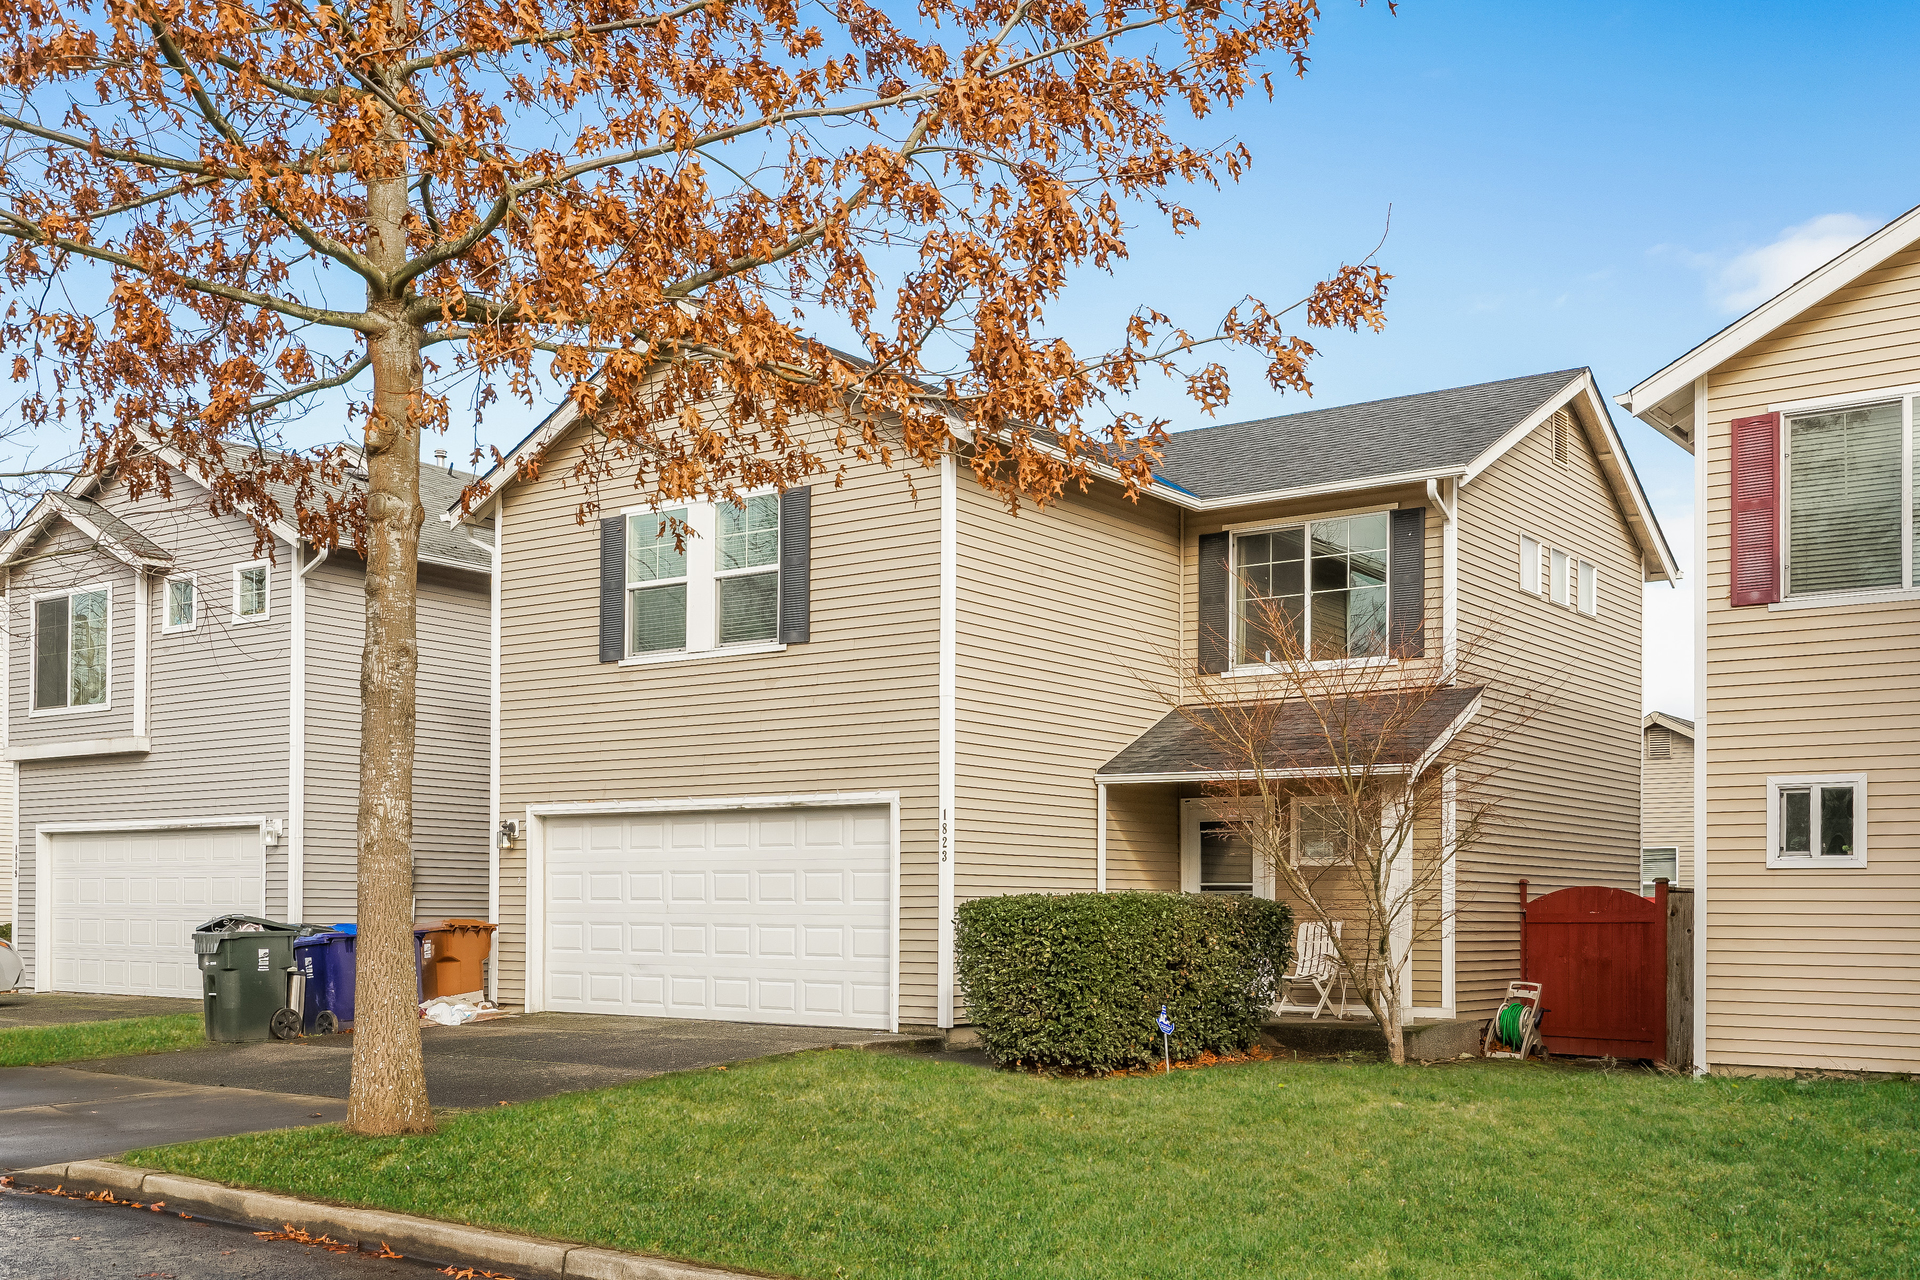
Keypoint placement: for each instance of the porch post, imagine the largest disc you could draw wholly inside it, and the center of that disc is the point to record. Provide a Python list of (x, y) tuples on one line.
[(1100, 838), (1399, 897)]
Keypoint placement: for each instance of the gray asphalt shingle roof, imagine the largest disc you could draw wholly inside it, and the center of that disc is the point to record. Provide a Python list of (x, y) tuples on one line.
[(1350, 443), (1296, 736), (113, 527)]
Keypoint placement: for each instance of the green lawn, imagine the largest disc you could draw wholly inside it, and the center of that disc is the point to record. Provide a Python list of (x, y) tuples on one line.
[(855, 1164), (72, 1041)]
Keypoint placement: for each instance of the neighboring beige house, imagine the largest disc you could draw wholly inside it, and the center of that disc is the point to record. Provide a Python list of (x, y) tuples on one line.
[(1666, 802), (753, 779), (1807, 721), (182, 716)]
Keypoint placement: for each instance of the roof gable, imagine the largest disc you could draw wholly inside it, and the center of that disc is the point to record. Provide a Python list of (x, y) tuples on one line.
[(1664, 401)]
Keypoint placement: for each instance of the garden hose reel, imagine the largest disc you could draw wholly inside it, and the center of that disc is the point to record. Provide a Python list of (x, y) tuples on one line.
[(1514, 1029)]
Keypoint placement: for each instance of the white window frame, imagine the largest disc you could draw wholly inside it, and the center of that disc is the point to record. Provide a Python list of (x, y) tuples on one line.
[(33, 651), (1907, 588), (167, 628), (1814, 861), (1646, 885), (703, 589), (1196, 812), (267, 594), (1235, 665), (1297, 806), (1538, 577)]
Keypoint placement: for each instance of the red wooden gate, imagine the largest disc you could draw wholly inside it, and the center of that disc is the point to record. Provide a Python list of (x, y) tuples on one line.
[(1601, 957)]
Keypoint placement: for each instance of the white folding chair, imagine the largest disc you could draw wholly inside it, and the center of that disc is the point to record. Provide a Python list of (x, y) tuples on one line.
[(1315, 964)]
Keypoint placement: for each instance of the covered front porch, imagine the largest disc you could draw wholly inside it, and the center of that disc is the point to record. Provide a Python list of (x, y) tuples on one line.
[(1175, 814)]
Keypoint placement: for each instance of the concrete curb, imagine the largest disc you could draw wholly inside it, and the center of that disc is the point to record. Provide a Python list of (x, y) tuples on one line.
[(523, 1257)]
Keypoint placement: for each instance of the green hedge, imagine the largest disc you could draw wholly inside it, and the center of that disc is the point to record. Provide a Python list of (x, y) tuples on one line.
[(1075, 980)]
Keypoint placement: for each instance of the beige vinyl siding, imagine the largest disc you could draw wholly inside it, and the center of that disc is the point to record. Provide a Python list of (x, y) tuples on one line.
[(1666, 805), (451, 848), (1143, 837), (1812, 969), (1563, 702), (1068, 626), (856, 709), (217, 701)]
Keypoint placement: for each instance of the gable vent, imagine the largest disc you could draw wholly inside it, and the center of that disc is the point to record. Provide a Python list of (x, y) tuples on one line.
[(1562, 437), (1659, 744)]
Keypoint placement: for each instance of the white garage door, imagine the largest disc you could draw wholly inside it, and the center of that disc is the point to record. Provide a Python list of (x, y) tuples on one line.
[(125, 904), (780, 915)]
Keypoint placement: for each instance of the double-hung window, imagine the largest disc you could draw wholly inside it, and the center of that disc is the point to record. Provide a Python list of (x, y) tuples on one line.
[(1315, 591), (702, 576), (1847, 523), (1817, 821), (72, 636), (182, 605), (251, 591), (1559, 576)]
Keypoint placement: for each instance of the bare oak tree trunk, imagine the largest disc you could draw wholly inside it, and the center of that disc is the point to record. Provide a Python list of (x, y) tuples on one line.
[(389, 1088)]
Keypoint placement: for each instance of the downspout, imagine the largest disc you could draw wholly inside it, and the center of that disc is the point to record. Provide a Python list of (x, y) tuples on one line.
[(1702, 444), (1449, 783)]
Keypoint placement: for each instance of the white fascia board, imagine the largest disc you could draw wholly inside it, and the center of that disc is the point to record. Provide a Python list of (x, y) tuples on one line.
[(1613, 462), (1235, 775), (1809, 291), (1662, 718), (137, 745)]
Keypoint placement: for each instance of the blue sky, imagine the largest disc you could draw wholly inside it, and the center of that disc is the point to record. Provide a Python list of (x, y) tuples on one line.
[(1599, 184)]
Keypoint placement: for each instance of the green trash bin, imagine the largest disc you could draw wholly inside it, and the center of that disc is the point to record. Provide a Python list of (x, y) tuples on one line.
[(247, 979)]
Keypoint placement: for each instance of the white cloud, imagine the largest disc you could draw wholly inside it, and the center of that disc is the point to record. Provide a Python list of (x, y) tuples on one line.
[(1750, 278)]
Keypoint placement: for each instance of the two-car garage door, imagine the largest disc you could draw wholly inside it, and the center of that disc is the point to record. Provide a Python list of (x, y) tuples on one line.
[(774, 915), (125, 904)]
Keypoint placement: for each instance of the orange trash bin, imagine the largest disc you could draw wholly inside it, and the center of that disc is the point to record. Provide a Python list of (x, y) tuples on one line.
[(453, 955)]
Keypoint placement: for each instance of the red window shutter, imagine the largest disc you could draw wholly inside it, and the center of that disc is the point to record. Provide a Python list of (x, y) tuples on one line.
[(1755, 577)]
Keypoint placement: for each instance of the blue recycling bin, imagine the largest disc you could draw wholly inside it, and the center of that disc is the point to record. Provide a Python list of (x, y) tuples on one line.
[(327, 960)]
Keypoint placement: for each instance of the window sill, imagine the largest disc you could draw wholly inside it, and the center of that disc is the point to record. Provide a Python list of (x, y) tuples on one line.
[(1332, 664), (1777, 862), (1846, 599), (73, 750), (695, 655), (49, 713)]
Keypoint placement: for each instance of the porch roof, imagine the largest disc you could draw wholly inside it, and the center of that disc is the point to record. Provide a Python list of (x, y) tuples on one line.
[(1181, 749)]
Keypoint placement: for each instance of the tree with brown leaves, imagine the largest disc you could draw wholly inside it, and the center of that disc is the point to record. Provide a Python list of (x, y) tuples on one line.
[(220, 212)]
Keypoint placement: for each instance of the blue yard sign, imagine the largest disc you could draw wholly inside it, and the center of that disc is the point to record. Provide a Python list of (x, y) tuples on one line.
[(1166, 1029)]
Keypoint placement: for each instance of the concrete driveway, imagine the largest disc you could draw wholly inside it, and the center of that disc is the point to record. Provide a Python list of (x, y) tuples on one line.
[(109, 1105)]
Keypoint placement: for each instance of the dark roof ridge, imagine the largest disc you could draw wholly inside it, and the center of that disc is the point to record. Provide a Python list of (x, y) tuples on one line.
[(1570, 375)]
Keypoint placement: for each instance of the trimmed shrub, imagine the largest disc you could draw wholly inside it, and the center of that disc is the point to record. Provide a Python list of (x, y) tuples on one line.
[(1075, 980)]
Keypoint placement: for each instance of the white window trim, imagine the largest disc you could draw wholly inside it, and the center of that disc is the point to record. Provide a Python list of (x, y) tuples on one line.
[(33, 649), (1298, 804), (1542, 590), (166, 590), (1659, 848), (1207, 809), (1813, 861), (1907, 588), (703, 578), (264, 614), (1235, 667)]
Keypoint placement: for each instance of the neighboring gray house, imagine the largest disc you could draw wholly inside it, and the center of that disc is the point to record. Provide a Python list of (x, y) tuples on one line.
[(182, 715)]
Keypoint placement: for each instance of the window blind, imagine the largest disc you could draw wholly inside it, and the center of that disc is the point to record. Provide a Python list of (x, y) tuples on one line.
[(1843, 487)]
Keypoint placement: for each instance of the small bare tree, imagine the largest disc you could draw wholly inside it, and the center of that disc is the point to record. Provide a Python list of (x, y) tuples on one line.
[(1356, 784)]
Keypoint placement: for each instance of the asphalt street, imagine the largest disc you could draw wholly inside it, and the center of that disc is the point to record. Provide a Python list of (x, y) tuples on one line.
[(46, 1237)]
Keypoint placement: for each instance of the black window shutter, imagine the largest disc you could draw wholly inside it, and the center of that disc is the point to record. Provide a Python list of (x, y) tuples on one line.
[(1215, 612), (613, 588), (796, 565), (1407, 583)]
